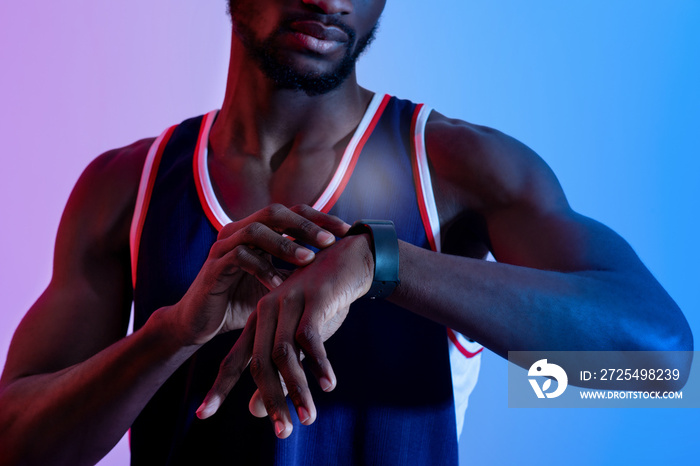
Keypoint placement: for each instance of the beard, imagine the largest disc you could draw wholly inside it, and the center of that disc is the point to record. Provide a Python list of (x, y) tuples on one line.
[(280, 69)]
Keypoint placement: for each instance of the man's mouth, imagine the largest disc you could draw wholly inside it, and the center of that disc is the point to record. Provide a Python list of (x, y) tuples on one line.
[(319, 31)]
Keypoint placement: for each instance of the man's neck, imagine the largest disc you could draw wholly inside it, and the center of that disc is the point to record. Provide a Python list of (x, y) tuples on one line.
[(258, 119)]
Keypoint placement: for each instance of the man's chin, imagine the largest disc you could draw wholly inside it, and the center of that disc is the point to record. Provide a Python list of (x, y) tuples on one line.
[(311, 85), (312, 80)]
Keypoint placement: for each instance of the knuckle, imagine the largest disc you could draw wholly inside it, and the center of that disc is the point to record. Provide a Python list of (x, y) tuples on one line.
[(267, 306), (291, 299), (240, 253), (273, 210), (282, 353), (226, 231), (286, 247), (301, 209), (251, 231), (257, 366), (308, 226), (306, 335), (296, 392), (321, 362)]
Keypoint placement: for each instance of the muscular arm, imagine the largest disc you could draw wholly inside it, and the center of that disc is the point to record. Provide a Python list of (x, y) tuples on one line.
[(73, 384), (563, 281)]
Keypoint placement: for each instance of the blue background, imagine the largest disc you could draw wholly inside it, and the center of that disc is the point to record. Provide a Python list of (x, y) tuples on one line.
[(607, 93)]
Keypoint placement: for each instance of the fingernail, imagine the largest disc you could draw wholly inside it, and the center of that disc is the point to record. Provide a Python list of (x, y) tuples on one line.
[(304, 254), (200, 410), (326, 384), (279, 428), (303, 414), (204, 411), (276, 281), (208, 407), (325, 238)]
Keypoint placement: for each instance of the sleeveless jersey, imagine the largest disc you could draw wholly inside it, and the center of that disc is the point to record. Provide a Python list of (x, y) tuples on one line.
[(403, 380)]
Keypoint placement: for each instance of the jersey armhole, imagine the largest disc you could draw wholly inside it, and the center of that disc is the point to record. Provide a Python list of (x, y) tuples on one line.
[(421, 176), (143, 198), (464, 354)]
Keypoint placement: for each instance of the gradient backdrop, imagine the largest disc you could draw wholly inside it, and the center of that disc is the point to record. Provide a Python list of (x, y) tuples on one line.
[(605, 91)]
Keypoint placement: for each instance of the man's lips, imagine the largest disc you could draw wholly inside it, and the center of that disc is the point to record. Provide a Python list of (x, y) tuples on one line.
[(319, 31)]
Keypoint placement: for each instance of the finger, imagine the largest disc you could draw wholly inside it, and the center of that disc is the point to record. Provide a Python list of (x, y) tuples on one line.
[(252, 262), (261, 236), (284, 220), (230, 370), (286, 356), (263, 369), (328, 222), (308, 338)]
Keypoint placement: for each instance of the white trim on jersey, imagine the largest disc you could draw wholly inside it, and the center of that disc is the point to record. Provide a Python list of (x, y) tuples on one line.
[(335, 182), (143, 197), (424, 175), (465, 355), (203, 171)]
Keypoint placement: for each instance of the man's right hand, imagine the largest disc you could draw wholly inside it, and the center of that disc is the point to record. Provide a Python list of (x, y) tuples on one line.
[(239, 269)]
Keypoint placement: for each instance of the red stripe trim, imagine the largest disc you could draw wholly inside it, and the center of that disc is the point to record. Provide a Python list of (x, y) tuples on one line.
[(351, 166), (426, 219), (453, 338), (198, 182), (417, 181), (147, 199)]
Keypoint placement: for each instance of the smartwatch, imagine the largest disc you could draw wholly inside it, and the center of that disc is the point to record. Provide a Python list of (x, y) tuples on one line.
[(385, 249)]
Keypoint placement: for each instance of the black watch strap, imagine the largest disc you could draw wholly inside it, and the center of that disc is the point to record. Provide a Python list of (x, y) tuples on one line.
[(385, 249)]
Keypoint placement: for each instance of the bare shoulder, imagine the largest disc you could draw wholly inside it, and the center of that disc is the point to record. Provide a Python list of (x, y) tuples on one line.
[(487, 168), (103, 199), (117, 172)]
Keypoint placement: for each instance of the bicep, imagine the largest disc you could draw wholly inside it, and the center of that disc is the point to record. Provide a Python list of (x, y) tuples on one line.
[(67, 325)]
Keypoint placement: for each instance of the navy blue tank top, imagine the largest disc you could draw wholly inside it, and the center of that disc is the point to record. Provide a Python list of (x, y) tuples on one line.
[(394, 400)]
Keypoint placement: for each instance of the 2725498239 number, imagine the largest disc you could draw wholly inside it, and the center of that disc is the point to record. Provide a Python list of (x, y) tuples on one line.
[(639, 374)]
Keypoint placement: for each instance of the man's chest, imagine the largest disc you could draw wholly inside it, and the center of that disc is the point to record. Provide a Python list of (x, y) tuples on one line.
[(246, 185)]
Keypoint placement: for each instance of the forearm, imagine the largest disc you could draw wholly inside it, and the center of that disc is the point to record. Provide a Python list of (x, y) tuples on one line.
[(75, 416), (508, 308)]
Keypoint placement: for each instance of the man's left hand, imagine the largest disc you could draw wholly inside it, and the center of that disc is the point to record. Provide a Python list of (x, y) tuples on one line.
[(298, 316)]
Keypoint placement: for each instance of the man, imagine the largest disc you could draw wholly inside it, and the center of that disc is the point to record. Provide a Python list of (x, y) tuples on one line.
[(288, 119)]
